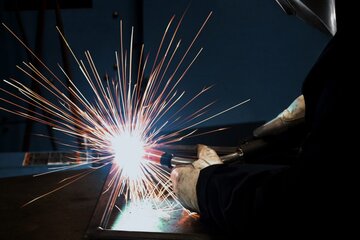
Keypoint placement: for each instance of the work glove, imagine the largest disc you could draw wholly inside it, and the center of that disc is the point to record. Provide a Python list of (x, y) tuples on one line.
[(290, 117), (185, 177)]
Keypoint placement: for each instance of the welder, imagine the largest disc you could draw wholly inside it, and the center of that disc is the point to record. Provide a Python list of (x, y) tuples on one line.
[(302, 196)]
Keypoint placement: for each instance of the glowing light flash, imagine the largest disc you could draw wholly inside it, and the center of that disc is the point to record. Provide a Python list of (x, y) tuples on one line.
[(128, 151)]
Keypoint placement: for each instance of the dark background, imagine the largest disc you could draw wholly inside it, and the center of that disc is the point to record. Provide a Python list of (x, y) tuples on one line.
[(251, 50)]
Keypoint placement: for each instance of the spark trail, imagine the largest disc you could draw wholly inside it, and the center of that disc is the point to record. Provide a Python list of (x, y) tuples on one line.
[(126, 116)]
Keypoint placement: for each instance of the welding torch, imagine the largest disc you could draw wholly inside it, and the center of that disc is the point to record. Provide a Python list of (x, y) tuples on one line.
[(226, 154)]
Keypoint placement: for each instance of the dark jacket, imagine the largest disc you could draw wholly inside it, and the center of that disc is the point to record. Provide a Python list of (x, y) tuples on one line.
[(304, 196)]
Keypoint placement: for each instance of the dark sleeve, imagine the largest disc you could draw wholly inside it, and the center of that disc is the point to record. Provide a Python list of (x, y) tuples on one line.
[(245, 197), (304, 195)]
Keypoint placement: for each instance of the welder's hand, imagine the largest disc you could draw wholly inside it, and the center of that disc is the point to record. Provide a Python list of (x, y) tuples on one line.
[(184, 178), (290, 117)]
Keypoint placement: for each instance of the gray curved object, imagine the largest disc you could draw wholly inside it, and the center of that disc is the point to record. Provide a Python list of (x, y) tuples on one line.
[(318, 13)]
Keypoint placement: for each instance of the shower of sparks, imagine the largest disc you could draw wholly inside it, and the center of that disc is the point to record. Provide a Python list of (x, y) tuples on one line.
[(127, 116)]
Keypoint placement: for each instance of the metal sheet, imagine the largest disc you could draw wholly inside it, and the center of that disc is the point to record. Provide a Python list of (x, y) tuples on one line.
[(115, 218), (143, 216)]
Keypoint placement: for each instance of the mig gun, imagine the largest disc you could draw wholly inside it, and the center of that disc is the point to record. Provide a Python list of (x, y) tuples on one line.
[(226, 154)]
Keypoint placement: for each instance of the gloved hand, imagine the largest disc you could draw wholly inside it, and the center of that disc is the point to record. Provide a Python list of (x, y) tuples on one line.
[(290, 117), (184, 178)]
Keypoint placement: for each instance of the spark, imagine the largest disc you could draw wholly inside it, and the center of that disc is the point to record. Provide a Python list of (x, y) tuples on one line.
[(126, 117)]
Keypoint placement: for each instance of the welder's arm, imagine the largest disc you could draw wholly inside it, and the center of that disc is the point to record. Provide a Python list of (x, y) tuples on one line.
[(184, 178), (290, 117), (234, 197), (245, 197)]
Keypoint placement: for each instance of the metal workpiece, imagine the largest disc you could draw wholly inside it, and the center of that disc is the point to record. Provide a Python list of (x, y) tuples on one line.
[(117, 218)]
